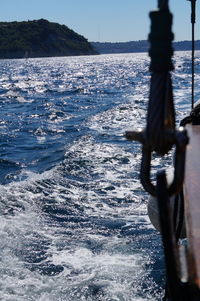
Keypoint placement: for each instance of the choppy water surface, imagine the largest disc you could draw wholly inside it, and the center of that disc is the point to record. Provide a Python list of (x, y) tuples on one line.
[(73, 221)]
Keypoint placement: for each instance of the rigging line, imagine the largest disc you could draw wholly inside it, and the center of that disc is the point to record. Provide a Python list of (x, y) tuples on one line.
[(193, 20), (193, 50)]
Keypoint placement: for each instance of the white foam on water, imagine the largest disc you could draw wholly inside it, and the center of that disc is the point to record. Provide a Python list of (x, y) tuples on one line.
[(80, 231)]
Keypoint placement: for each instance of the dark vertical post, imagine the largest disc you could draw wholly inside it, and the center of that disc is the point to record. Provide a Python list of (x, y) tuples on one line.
[(168, 237)]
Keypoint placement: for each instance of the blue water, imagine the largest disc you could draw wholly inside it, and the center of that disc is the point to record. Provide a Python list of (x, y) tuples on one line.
[(74, 223)]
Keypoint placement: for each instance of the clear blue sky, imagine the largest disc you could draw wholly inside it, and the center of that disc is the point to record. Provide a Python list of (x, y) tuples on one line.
[(102, 20)]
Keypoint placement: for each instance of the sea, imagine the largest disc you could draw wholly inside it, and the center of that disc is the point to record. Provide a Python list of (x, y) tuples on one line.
[(73, 214)]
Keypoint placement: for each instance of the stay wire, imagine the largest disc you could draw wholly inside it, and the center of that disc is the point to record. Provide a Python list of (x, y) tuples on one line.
[(193, 20), (193, 58)]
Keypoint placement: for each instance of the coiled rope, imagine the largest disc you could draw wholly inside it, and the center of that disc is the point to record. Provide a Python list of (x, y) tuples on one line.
[(161, 115)]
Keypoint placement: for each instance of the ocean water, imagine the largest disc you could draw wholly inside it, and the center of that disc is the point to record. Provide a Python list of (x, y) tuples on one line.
[(73, 217)]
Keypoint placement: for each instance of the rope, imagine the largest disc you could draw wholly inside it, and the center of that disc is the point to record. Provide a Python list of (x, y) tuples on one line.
[(193, 49), (160, 39), (161, 116), (193, 20)]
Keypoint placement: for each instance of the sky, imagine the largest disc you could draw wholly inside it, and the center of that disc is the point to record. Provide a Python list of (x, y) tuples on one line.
[(102, 20)]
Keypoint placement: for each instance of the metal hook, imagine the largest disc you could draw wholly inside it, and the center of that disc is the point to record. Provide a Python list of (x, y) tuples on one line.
[(180, 139)]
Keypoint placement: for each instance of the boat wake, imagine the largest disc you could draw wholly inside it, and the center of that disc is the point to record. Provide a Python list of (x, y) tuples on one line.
[(74, 222)]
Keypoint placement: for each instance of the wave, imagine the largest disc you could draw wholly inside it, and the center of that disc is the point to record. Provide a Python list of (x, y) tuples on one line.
[(73, 214)]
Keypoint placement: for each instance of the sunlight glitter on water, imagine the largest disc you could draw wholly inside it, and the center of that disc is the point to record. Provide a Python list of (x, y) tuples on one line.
[(74, 223)]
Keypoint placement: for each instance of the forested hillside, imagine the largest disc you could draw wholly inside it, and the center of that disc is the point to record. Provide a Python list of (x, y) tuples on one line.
[(40, 38)]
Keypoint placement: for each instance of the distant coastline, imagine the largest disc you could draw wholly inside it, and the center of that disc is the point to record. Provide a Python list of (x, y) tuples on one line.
[(41, 38), (137, 46)]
